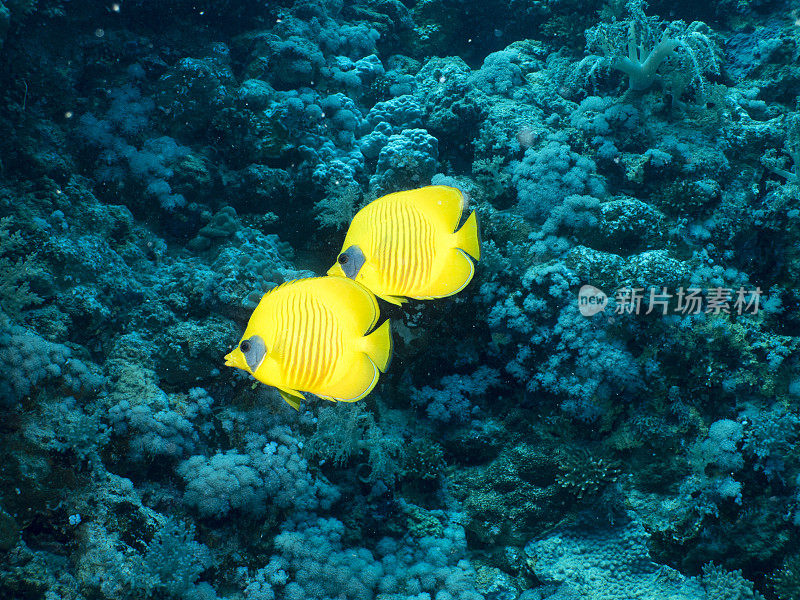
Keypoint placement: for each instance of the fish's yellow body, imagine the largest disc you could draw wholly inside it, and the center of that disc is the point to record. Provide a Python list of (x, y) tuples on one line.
[(314, 335), (405, 245)]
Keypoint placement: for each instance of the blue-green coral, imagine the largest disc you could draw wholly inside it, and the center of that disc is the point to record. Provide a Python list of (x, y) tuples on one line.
[(166, 164)]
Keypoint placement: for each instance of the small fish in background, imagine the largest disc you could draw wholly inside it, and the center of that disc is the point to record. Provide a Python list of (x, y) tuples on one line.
[(315, 335), (405, 245)]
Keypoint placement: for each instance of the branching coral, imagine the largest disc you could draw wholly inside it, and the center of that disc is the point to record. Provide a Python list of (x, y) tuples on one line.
[(584, 476), (639, 46), (785, 580), (15, 291)]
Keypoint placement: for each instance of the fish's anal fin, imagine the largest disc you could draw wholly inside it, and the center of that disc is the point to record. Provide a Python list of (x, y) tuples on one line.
[(355, 380), (454, 277), (293, 398)]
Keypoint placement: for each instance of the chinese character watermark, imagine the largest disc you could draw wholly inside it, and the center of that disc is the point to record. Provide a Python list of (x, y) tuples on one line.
[(684, 301)]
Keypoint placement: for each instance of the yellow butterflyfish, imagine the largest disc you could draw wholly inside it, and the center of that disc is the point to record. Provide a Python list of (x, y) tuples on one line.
[(406, 245), (315, 335)]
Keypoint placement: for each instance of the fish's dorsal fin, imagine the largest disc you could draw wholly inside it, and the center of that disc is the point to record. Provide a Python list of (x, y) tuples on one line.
[(280, 286), (440, 203), (352, 301)]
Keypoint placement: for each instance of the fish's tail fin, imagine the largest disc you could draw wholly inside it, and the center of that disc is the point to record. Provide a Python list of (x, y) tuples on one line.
[(468, 237), (378, 346)]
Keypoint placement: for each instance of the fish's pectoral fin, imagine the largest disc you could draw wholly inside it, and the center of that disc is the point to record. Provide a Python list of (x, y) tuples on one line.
[(293, 397), (278, 350)]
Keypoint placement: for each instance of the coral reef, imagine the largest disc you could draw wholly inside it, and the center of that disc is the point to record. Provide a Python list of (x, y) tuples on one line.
[(610, 409)]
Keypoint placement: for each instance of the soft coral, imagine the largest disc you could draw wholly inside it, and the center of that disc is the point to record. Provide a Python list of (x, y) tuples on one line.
[(649, 43)]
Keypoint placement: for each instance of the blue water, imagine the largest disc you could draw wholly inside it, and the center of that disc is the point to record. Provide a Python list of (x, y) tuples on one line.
[(610, 409)]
